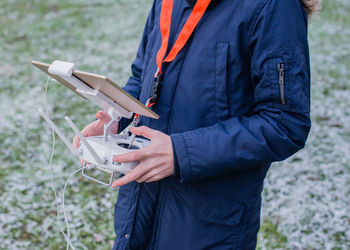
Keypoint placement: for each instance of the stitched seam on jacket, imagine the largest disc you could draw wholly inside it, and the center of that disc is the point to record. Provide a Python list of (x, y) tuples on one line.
[(127, 211), (256, 19), (184, 49), (215, 78), (175, 89), (161, 212), (188, 157), (155, 219), (153, 47), (226, 82), (136, 209)]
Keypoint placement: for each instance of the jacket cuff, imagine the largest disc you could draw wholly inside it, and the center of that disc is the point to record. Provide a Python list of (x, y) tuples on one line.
[(182, 158), (176, 163)]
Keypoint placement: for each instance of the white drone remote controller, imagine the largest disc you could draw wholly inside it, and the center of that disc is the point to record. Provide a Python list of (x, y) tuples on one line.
[(114, 146), (97, 151)]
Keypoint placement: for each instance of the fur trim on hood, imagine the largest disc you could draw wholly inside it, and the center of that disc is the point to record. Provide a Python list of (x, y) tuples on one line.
[(310, 6)]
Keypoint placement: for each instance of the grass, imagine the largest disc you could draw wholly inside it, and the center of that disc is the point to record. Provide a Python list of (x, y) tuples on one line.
[(306, 198), (97, 37)]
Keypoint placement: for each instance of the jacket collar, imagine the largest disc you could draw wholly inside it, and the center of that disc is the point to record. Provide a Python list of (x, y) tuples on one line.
[(211, 5)]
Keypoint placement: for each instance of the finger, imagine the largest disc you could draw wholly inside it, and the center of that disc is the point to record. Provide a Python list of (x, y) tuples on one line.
[(115, 127), (148, 175), (103, 116), (131, 176), (76, 141), (144, 131), (154, 178), (87, 131), (131, 156)]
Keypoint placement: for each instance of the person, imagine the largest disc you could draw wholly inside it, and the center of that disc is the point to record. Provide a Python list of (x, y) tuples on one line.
[(233, 98)]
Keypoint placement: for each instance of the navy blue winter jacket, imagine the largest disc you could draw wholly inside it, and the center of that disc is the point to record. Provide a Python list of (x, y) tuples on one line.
[(235, 99)]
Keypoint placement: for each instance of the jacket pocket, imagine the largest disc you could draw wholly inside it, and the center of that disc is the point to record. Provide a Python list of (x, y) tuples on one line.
[(210, 206), (289, 82), (221, 64)]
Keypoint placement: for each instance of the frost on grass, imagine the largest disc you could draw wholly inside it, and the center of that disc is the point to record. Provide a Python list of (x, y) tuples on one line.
[(92, 36), (306, 198)]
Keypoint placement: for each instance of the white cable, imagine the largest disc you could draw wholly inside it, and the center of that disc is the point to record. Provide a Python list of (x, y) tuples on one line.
[(64, 208), (54, 187)]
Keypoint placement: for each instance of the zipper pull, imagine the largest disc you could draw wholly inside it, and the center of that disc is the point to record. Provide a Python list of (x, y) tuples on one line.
[(280, 67)]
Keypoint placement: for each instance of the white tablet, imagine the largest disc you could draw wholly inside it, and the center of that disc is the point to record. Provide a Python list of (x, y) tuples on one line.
[(105, 86)]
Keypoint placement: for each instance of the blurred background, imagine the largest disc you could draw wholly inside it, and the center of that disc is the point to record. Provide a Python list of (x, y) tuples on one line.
[(306, 200)]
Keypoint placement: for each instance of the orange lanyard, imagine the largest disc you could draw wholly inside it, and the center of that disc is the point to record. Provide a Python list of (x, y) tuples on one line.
[(187, 30), (165, 24), (185, 33)]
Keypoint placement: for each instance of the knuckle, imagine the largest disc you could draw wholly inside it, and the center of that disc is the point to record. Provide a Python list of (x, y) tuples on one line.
[(138, 177), (143, 130), (153, 162), (137, 172), (142, 153), (139, 180), (148, 153), (136, 156), (157, 177)]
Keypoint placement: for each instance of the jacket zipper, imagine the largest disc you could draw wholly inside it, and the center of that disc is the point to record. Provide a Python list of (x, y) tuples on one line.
[(281, 81)]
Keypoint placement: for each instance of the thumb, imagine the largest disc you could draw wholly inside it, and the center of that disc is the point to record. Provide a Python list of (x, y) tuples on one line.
[(144, 131), (103, 116)]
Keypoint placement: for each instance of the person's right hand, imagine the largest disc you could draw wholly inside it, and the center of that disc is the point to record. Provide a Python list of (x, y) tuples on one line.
[(96, 127)]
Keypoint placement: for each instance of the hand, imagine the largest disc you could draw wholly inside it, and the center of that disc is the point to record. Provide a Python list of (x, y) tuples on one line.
[(156, 160), (96, 127)]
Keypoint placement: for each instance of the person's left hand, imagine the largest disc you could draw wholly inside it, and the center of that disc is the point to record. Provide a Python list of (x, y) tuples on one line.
[(156, 160)]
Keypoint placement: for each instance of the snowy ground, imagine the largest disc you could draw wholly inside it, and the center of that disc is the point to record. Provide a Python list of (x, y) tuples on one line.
[(306, 198)]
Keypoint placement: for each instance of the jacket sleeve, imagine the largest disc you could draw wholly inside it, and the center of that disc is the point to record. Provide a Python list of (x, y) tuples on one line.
[(133, 85), (280, 123)]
